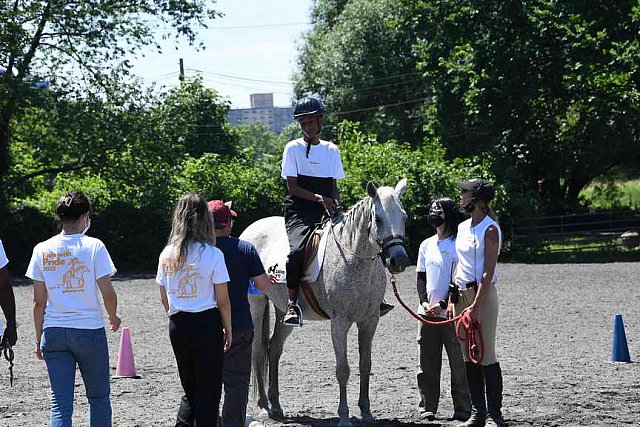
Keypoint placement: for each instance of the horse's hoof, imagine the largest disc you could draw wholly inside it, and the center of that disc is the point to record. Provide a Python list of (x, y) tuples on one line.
[(368, 419), (277, 413), (345, 423)]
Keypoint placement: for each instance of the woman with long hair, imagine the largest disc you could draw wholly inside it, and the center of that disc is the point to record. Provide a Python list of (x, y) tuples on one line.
[(436, 263), (67, 271), (477, 247), (193, 290)]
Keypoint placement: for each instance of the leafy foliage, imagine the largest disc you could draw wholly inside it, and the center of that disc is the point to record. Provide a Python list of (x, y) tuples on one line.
[(80, 44), (358, 58)]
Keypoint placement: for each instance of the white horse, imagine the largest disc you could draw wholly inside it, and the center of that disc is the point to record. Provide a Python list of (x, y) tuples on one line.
[(349, 288)]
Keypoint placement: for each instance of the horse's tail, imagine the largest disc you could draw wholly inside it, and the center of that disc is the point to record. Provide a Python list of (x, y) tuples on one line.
[(265, 328)]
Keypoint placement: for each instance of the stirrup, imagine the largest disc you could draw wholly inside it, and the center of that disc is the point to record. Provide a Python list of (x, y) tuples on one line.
[(385, 308), (293, 316)]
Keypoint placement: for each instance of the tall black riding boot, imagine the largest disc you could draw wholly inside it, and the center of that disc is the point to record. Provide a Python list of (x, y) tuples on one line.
[(475, 378), (493, 379)]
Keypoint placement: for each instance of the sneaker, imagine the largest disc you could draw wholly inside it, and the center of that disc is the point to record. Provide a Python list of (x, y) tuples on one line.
[(427, 415), (385, 308), (293, 315)]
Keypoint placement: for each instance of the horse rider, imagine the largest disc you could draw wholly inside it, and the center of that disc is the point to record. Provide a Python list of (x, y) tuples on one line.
[(311, 167)]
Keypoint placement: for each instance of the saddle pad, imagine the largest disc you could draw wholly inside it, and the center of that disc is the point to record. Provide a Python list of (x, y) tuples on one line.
[(276, 264)]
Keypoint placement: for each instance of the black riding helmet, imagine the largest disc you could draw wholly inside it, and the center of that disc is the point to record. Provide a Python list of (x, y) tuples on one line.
[(308, 106)]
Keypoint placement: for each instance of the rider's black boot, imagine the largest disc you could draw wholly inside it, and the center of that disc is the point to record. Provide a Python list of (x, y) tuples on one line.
[(475, 378), (493, 379)]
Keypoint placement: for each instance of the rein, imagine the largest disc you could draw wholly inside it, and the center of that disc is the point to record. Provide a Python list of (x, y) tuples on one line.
[(470, 327), (7, 352)]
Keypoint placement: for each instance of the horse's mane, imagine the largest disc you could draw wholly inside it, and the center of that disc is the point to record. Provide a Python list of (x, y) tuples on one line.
[(357, 221)]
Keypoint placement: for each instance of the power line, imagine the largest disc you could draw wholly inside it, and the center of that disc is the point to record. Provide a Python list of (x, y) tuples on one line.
[(339, 113), (243, 27), (247, 79)]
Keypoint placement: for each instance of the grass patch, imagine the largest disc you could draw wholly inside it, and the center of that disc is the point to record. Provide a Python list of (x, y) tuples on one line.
[(606, 195)]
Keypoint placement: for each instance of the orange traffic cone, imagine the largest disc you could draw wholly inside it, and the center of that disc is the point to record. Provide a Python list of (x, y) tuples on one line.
[(126, 366)]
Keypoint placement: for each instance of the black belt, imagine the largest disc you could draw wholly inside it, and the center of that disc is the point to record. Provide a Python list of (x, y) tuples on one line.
[(471, 285)]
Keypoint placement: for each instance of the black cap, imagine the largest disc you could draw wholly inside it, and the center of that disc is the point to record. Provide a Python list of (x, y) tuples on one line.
[(479, 188)]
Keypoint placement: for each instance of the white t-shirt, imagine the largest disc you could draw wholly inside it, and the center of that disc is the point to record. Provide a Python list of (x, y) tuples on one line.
[(3, 262), (437, 259), (470, 251), (323, 162), (190, 284), (69, 265)]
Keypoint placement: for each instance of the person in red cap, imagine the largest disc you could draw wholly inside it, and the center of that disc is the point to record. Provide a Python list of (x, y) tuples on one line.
[(243, 265)]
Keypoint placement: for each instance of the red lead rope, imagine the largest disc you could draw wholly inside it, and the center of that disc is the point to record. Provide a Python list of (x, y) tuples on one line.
[(470, 327)]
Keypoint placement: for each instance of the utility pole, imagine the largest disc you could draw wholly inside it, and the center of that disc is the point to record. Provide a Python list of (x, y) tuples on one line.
[(181, 77)]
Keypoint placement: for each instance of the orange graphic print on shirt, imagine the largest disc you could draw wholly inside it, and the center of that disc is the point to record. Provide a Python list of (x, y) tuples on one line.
[(188, 284), (73, 279)]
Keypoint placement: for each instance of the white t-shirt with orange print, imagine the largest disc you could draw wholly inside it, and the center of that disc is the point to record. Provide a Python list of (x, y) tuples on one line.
[(190, 284), (69, 265)]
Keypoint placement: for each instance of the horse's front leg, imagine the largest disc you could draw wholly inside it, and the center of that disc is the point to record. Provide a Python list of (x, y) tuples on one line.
[(366, 330), (339, 329), (276, 346)]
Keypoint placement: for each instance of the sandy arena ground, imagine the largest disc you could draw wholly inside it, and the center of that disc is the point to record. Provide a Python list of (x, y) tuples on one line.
[(554, 343)]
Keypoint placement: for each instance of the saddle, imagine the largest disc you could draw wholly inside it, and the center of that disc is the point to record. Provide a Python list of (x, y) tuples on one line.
[(310, 252)]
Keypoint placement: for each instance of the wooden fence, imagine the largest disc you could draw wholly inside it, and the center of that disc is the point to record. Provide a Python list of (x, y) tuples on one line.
[(602, 231)]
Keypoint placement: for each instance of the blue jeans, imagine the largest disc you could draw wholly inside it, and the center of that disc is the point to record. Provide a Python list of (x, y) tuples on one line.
[(63, 348)]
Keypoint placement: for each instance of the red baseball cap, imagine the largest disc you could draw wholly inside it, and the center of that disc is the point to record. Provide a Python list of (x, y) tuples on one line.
[(221, 211)]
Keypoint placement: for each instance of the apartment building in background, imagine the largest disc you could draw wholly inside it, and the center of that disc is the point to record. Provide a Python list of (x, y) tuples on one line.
[(262, 110)]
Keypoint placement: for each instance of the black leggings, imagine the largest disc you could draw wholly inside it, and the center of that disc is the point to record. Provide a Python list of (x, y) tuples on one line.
[(300, 226), (198, 343)]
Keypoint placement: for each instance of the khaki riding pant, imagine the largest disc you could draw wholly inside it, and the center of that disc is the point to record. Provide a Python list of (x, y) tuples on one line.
[(488, 322)]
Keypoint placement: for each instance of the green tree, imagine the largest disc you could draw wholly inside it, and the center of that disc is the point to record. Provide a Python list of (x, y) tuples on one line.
[(80, 43), (548, 90), (258, 139), (358, 57), (195, 117), (137, 145)]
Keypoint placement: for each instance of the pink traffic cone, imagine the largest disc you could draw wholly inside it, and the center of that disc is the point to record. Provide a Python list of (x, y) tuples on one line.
[(126, 366)]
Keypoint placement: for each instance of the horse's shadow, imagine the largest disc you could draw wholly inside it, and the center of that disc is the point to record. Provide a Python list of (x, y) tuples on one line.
[(332, 422)]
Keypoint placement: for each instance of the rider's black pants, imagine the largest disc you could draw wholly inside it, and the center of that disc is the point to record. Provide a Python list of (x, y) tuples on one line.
[(299, 225)]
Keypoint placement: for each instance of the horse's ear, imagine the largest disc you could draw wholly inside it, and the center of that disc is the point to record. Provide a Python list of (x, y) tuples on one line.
[(401, 187), (228, 204), (372, 191)]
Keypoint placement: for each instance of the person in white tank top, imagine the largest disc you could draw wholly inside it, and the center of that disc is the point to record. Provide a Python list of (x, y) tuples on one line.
[(477, 247)]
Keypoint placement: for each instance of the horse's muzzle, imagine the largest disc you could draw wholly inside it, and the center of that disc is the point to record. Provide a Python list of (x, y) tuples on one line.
[(396, 260)]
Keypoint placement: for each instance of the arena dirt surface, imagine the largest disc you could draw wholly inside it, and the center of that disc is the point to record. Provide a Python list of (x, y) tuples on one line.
[(554, 343)]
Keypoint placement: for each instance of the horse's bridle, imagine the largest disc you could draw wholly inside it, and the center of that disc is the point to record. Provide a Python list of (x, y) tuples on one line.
[(392, 240), (386, 243)]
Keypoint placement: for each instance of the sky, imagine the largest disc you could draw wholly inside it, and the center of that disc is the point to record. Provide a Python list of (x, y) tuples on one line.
[(251, 49)]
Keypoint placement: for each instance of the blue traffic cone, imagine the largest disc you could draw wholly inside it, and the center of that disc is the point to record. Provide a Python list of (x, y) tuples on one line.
[(619, 349)]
